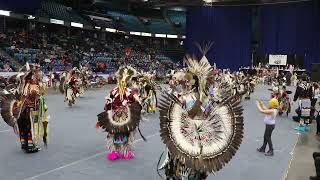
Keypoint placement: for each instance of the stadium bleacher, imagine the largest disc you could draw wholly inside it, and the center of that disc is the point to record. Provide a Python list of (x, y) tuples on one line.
[(178, 17), (129, 22), (52, 9), (160, 26)]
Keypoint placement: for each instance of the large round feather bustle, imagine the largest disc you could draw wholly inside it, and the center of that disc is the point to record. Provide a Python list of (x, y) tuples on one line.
[(7, 106), (132, 114), (203, 143)]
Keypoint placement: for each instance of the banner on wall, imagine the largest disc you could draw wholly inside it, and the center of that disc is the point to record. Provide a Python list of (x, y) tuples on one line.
[(278, 59)]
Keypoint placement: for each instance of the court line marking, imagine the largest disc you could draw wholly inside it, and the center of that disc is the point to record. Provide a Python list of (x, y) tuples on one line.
[(5, 131), (82, 160), (285, 177)]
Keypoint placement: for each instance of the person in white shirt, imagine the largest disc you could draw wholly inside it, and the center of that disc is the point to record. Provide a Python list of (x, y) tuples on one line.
[(269, 120)]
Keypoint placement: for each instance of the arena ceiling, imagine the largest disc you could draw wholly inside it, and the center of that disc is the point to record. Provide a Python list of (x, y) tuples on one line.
[(151, 6), (92, 5), (170, 3)]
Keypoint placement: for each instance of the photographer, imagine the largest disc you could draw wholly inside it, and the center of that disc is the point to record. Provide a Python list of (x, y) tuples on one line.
[(270, 121)]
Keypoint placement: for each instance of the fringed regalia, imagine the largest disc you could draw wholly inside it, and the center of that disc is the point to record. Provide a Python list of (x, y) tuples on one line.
[(284, 101), (85, 78), (250, 84), (121, 117), (83, 82), (148, 93), (25, 111), (201, 136), (62, 79), (69, 87)]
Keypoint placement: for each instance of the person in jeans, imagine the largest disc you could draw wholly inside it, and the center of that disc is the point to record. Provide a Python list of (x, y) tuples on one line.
[(316, 158), (318, 123), (269, 120)]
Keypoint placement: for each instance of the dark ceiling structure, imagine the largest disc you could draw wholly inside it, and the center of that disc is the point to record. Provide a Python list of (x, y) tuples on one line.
[(170, 3), (154, 7), (133, 4)]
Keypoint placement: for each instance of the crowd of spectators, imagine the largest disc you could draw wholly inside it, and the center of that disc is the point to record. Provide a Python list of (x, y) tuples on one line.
[(58, 51), (6, 65)]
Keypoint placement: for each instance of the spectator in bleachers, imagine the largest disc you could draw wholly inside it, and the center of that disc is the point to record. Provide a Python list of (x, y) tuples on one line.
[(59, 51)]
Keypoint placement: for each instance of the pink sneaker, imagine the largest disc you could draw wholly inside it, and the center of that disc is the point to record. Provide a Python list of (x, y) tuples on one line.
[(128, 155), (113, 155)]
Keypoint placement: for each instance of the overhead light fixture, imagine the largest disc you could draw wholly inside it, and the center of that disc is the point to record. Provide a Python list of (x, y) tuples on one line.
[(172, 36), (161, 35), (97, 27), (31, 17), (4, 13), (135, 33), (74, 24), (56, 21), (146, 34), (111, 30)]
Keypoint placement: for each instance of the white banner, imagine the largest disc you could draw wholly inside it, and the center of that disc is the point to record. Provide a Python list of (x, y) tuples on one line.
[(279, 60), (8, 74)]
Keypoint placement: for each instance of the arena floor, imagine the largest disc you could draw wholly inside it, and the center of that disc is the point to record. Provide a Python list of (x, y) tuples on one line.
[(77, 150)]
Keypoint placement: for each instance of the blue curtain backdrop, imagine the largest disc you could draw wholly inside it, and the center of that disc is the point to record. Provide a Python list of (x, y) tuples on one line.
[(313, 54), (291, 29), (228, 28)]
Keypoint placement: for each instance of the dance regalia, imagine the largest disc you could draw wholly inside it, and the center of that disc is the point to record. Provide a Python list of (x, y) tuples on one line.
[(120, 119), (84, 79), (73, 84), (69, 87), (249, 85), (201, 136), (25, 111), (148, 93), (71, 90), (83, 83), (248, 92)]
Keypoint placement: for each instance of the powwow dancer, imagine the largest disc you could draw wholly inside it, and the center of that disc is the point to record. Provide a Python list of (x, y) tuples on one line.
[(201, 136), (70, 87), (148, 93), (25, 110), (121, 117)]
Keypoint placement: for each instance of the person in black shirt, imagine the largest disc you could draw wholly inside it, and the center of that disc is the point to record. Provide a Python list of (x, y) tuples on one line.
[(316, 158)]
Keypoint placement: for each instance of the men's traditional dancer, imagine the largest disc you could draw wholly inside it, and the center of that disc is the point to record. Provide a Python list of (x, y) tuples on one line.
[(121, 117), (83, 80), (250, 86), (201, 136), (25, 110), (70, 87), (148, 93)]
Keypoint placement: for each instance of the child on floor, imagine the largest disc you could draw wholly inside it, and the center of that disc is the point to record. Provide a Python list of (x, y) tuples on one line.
[(269, 120)]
